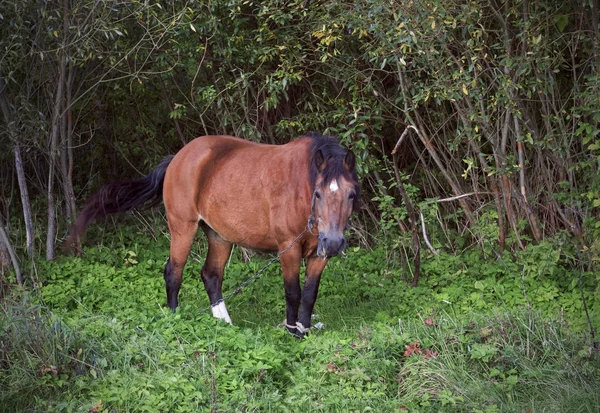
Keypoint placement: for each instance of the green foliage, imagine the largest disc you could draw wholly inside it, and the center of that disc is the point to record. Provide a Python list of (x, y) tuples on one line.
[(497, 363), (476, 335), (477, 79)]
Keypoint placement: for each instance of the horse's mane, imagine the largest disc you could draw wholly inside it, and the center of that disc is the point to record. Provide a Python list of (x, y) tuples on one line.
[(334, 155)]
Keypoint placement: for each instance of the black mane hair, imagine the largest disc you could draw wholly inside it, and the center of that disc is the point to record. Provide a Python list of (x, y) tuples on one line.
[(334, 155)]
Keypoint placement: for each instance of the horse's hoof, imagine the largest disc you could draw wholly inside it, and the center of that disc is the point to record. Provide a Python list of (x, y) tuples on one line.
[(296, 333)]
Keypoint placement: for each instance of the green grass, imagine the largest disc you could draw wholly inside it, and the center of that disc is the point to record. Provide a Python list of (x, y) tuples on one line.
[(95, 335)]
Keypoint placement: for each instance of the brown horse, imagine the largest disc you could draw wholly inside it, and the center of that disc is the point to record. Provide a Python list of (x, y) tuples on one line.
[(294, 198)]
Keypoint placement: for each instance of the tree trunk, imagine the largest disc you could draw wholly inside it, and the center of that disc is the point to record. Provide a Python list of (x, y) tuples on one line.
[(26, 204), (64, 167), (11, 252), (54, 133), (500, 155), (66, 149)]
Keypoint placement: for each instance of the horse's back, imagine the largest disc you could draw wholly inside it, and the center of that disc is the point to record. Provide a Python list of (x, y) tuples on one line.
[(222, 149)]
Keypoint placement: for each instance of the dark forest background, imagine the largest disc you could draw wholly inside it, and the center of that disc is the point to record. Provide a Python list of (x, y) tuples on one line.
[(497, 102)]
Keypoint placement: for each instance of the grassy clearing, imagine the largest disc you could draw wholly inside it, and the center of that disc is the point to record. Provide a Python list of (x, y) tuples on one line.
[(94, 335)]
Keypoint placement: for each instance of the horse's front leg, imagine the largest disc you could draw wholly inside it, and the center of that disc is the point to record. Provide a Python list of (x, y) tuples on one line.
[(314, 268), (290, 266)]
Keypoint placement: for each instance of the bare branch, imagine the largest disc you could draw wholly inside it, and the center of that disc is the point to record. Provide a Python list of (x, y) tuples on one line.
[(433, 250), (402, 137), (454, 198)]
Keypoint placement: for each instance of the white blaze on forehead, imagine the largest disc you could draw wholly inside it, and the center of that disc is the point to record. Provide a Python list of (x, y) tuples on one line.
[(333, 186)]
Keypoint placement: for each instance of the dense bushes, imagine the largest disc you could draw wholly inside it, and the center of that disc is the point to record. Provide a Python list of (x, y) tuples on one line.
[(502, 98)]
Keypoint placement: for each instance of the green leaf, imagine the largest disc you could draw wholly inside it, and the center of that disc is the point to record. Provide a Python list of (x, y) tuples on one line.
[(561, 22)]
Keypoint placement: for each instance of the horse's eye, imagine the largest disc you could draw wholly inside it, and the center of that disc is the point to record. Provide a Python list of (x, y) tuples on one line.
[(352, 196), (318, 195)]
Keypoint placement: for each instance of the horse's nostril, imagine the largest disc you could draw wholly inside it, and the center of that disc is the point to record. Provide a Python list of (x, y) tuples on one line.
[(324, 240)]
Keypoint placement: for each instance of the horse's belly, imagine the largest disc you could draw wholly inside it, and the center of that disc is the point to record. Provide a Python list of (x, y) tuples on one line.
[(239, 226), (255, 241)]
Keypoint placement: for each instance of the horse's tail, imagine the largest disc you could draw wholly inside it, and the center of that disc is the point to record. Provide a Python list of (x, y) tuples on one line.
[(118, 197)]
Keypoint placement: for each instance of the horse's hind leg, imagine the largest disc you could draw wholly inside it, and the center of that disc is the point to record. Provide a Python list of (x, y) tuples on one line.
[(212, 272), (182, 236)]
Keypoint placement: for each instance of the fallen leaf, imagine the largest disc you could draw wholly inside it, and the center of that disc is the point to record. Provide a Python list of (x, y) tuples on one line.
[(97, 408)]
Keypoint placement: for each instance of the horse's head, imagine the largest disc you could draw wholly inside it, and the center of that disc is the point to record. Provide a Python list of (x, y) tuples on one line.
[(336, 195)]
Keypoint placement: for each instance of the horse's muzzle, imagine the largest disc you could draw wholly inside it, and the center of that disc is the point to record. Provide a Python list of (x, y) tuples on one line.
[(330, 246)]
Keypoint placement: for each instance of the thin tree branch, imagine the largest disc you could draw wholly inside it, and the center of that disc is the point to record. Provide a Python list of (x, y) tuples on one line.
[(433, 250), (454, 198)]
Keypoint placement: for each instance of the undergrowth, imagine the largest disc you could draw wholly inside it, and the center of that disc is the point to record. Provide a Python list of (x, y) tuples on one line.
[(477, 335)]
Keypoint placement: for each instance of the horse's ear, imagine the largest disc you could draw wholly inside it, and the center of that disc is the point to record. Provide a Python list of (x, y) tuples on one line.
[(350, 161), (320, 160)]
